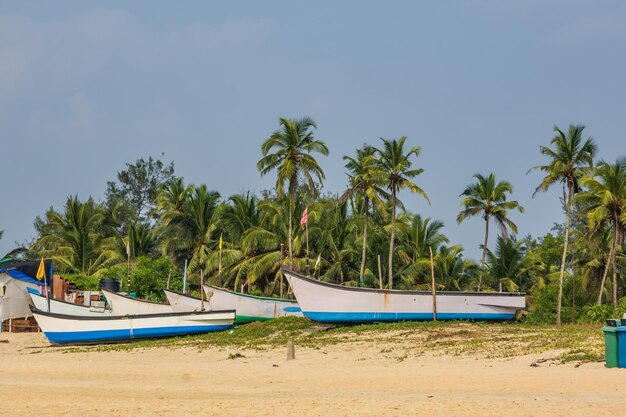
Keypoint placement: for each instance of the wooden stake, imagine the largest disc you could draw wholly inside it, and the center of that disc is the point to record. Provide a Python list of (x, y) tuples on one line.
[(169, 277), (380, 274), (282, 249), (291, 350), (432, 273)]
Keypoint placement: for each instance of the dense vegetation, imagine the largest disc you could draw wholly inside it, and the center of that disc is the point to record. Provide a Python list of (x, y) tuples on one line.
[(151, 222)]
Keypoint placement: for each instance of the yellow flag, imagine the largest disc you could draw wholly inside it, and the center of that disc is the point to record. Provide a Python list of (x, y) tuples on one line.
[(41, 272), (220, 242)]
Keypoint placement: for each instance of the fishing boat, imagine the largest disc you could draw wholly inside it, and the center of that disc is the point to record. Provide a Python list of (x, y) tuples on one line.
[(63, 307), (63, 328), (123, 304), (249, 307), (326, 302)]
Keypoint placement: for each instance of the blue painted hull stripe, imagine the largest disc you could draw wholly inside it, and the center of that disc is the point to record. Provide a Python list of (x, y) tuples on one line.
[(292, 309), (125, 334), (335, 317)]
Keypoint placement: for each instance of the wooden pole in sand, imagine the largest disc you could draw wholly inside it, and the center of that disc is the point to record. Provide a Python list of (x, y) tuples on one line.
[(432, 273), (380, 274), (282, 249), (291, 350)]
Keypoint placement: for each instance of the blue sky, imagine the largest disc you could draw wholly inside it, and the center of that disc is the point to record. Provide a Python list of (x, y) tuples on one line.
[(86, 87)]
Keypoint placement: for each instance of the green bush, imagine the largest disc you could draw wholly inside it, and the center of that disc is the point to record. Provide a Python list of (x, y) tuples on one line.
[(542, 305), (149, 277), (596, 313), (84, 282)]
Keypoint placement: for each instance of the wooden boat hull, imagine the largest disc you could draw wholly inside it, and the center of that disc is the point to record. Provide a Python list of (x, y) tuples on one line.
[(249, 307), (63, 307), (62, 329), (331, 303), (124, 305)]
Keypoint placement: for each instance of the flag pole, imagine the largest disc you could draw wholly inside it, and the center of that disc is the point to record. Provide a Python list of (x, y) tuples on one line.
[(45, 280), (219, 272)]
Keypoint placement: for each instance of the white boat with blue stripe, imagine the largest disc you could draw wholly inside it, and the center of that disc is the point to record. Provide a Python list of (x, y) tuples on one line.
[(331, 303), (63, 328)]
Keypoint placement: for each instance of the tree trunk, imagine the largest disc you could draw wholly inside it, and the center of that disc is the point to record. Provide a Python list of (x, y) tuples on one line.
[(568, 208), (606, 270), (482, 262), (290, 231), (364, 250), (393, 235)]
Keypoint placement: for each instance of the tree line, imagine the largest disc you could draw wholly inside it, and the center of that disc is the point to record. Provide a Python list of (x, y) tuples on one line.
[(154, 222)]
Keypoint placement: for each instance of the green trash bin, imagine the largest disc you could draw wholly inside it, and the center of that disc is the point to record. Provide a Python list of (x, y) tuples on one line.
[(611, 346)]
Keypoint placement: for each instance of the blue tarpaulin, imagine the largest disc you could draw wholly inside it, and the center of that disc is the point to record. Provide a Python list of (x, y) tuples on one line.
[(17, 274)]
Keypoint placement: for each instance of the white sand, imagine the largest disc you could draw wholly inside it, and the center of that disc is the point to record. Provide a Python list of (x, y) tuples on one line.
[(341, 380)]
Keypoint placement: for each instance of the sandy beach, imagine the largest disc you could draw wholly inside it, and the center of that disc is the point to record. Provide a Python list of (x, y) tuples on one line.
[(367, 379)]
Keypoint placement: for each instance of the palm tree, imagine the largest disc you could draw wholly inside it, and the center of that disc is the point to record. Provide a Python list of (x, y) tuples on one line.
[(365, 179), (192, 226), (417, 234), (396, 164), (568, 160), (292, 147), (76, 238), (606, 197), (507, 263), (488, 198)]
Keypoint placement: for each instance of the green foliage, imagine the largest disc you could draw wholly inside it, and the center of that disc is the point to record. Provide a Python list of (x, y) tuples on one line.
[(84, 282), (134, 194), (149, 277), (542, 305), (596, 313)]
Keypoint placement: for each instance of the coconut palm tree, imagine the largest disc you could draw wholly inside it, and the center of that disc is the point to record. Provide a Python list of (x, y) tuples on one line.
[(76, 238), (488, 198), (289, 152), (606, 197), (192, 226), (569, 158), (335, 242), (416, 235), (396, 163), (365, 180), (507, 263)]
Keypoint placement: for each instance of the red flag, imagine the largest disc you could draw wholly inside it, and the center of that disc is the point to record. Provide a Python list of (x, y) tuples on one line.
[(305, 217)]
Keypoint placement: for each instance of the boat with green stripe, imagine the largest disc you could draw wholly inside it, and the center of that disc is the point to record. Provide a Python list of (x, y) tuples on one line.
[(249, 308)]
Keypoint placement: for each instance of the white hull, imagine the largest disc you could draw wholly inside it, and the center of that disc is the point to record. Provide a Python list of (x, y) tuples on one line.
[(122, 305), (62, 307), (321, 301), (73, 329), (249, 307)]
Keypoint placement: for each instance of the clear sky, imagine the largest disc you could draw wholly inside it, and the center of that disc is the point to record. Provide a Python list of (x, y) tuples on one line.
[(87, 86)]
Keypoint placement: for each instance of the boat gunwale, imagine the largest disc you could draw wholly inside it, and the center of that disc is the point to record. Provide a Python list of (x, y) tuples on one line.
[(73, 304), (297, 275), (35, 310), (256, 297), (128, 297)]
